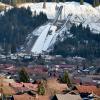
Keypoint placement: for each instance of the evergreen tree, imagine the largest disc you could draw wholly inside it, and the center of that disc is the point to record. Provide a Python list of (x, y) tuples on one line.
[(40, 60), (14, 2), (94, 3), (65, 79), (23, 76), (41, 89), (53, 0), (57, 1), (97, 3), (81, 2), (13, 48), (64, 0)]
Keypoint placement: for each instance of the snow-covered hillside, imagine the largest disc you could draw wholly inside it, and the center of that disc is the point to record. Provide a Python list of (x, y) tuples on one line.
[(85, 14)]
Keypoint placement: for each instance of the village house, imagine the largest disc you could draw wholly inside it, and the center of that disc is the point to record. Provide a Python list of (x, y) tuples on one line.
[(88, 91), (67, 97)]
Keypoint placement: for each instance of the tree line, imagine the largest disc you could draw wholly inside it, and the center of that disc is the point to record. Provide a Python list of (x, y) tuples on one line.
[(13, 2)]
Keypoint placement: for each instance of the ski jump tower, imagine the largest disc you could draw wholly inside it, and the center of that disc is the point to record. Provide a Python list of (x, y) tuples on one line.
[(58, 11), (58, 14)]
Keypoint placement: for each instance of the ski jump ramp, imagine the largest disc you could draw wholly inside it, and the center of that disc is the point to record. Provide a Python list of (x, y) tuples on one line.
[(43, 41)]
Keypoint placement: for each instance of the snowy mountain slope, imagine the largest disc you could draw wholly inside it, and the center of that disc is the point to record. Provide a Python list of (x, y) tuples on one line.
[(38, 46), (45, 39), (85, 14), (49, 36)]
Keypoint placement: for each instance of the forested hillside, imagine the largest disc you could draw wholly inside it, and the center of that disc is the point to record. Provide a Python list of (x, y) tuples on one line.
[(15, 25), (83, 43)]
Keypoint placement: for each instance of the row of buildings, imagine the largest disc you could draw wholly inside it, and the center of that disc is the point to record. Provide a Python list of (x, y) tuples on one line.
[(11, 90)]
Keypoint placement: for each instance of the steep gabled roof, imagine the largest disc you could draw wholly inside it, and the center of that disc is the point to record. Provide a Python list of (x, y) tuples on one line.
[(68, 97), (86, 89), (23, 97)]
